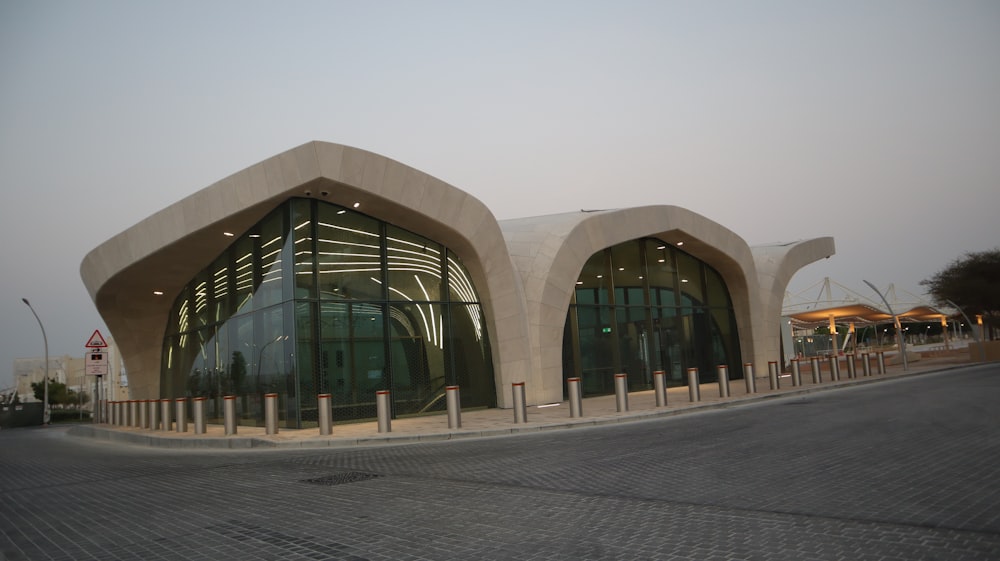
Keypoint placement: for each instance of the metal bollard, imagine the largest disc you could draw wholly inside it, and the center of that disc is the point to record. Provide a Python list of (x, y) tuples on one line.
[(122, 414), (723, 373), (154, 413), (814, 366), (660, 388), (796, 373), (165, 413), (229, 414), (694, 385), (270, 413), (749, 379), (198, 410), (621, 392), (520, 407), (881, 362), (133, 413), (575, 399), (866, 364), (143, 417), (113, 413), (852, 366), (772, 375), (324, 414), (834, 368), (382, 406), (454, 407), (181, 411)]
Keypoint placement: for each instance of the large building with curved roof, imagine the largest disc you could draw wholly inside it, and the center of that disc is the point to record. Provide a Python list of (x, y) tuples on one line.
[(330, 269)]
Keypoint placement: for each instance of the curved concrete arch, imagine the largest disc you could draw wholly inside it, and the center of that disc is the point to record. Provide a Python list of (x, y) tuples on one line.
[(776, 265), (164, 251), (550, 252)]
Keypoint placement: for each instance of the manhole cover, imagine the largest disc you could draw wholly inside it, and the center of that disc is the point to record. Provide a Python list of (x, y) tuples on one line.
[(341, 478)]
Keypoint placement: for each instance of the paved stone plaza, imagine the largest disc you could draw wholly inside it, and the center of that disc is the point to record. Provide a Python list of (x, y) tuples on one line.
[(903, 469)]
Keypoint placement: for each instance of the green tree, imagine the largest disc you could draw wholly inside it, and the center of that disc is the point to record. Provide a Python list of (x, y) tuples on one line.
[(972, 282), (59, 394)]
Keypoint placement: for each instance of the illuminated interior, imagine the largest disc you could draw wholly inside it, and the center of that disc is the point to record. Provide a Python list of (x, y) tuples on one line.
[(318, 298), (643, 306)]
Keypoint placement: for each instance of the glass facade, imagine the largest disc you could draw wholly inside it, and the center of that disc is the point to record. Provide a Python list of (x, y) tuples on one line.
[(643, 306), (317, 298)]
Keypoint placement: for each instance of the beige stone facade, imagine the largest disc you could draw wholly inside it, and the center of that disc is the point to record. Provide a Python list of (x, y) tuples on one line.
[(524, 270)]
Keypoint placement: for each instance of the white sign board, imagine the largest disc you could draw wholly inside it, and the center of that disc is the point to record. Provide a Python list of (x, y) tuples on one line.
[(96, 363)]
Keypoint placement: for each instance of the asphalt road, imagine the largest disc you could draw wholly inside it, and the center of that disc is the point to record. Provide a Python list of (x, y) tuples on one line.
[(904, 469)]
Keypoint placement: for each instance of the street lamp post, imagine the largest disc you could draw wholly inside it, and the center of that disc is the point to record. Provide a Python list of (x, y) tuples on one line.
[(260, 356), (895, 320), (45, 383)]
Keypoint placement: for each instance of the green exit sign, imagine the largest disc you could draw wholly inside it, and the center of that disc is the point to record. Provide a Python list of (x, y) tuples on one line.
[(606, 330)]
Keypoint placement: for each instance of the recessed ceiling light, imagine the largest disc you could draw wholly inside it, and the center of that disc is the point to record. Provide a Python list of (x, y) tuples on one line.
[(680, 244), (356, 205), (158, 292), (228, 234)]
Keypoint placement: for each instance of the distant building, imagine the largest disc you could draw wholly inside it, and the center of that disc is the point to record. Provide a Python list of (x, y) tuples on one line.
[(329, 269), (71, 371)]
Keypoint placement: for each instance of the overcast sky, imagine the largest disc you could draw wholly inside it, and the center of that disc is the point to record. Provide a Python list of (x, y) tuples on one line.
[(875, 122)]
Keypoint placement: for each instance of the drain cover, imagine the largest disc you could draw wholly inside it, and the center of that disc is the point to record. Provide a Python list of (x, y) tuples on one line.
[(341, 478)]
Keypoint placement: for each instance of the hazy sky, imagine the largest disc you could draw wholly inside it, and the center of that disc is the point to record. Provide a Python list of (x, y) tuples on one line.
[(876, 122)]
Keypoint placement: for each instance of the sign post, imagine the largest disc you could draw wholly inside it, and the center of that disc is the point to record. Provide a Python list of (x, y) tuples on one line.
[(96, 364)]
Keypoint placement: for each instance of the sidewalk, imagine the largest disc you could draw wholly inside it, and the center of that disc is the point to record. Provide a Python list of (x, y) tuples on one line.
[(498, 422)]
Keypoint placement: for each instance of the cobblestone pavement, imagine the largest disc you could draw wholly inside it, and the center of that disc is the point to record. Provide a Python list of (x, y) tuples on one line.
[(903, 469)]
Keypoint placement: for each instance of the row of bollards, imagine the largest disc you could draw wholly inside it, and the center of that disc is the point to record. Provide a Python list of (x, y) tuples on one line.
[(171, 414), (156, 414), (694, 384)]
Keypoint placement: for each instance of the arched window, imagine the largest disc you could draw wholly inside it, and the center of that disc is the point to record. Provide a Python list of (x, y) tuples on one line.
[(317, 298), (643, 306)]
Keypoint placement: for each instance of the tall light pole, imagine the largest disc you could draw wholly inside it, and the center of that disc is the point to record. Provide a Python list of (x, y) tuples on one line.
[(895, 320), (45, 395)]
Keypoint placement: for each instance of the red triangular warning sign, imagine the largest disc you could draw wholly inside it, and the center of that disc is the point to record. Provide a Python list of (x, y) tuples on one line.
[(96, 341)]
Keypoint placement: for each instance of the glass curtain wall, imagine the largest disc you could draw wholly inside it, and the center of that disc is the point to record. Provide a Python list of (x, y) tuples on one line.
[(320, 299), (644, 306)]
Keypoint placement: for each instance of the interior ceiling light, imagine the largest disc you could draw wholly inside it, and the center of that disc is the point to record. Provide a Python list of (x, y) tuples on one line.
[(680, 244), (158, 292), (228, 234), (356, 205)]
